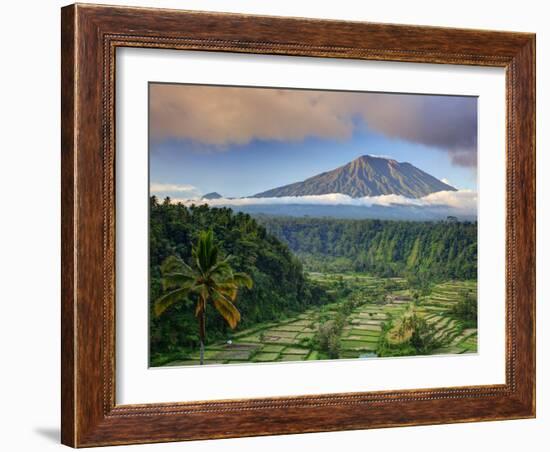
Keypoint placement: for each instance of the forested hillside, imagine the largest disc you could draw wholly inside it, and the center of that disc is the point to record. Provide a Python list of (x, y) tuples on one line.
[(280, 287), (438, 250)]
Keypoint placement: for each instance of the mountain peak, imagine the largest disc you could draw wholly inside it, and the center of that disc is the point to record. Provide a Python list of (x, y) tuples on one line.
[(367, 175), (212, 195), (370, 158)]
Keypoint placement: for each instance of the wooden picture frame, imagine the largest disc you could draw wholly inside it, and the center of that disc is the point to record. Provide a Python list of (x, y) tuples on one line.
[(90, 36)]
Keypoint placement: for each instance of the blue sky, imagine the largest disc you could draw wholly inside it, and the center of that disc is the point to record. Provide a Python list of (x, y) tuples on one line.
[(241, 141)]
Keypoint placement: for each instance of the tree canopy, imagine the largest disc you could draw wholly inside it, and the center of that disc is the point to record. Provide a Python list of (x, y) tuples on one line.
[(440, 250)]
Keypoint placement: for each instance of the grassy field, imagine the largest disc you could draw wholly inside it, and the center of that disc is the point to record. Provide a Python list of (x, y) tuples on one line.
[(371, 324)]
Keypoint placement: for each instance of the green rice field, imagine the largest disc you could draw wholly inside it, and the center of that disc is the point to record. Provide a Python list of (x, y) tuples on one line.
[(370, 328)]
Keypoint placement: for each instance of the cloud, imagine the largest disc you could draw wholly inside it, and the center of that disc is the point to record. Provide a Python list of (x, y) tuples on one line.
[(464, 201), (182, 190), (444, 122), (230, 115), (382, 156), (223, 116), (461, 200)]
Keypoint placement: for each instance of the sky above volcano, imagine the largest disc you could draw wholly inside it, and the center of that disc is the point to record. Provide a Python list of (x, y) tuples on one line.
[(239, 141)]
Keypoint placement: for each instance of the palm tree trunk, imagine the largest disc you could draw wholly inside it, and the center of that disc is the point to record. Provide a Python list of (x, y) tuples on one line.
[(202, 333)]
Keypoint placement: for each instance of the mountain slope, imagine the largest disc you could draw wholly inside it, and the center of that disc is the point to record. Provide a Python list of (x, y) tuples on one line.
[(365, 176)]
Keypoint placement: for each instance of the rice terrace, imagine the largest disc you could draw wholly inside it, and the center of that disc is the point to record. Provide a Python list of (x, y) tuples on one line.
[(370, 326), (274, 236)]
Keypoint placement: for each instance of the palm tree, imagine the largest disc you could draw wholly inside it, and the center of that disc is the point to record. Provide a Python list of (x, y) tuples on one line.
[(210, 279)]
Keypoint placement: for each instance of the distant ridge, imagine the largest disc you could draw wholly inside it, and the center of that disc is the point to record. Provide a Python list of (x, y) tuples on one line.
[(365, 176)]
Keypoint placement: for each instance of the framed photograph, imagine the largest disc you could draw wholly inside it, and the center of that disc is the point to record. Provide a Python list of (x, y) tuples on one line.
[(281, 225)]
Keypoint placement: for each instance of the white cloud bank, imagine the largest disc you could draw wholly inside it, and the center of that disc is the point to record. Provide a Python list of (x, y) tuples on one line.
[(463, 201), (186, 191)]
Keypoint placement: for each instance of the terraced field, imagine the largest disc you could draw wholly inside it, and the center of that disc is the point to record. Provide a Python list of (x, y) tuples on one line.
[(371, 322), (435, 307)]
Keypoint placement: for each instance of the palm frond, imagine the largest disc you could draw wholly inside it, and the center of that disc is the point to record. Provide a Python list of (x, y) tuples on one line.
[(228, 289), (243, 279), (205, 252), (174, 264), (164, 302), (227, 309), (174, 280), (213, 252), (221, 268)]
